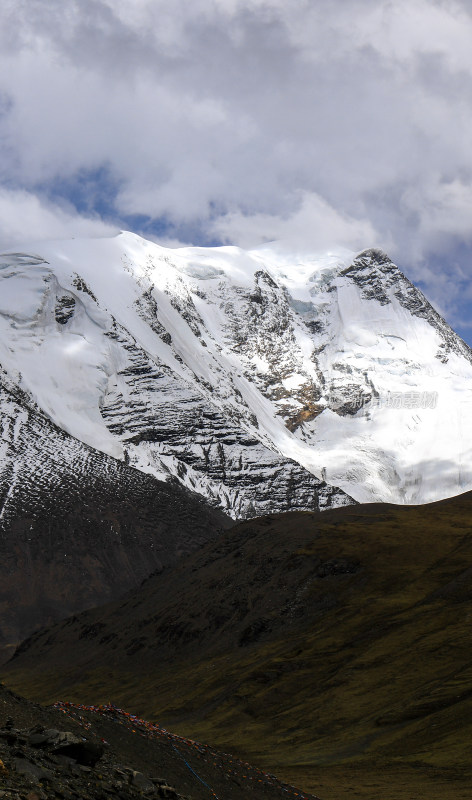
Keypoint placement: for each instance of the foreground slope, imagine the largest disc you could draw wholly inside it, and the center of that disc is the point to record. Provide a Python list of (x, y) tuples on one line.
[(260, 379), (332, 649), (96, 754)]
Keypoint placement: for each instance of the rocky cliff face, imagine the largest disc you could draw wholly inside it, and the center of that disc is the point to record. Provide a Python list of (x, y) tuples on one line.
[(171, 428)]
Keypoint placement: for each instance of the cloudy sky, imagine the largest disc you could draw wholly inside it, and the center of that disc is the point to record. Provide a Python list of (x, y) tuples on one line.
[(321, 122)]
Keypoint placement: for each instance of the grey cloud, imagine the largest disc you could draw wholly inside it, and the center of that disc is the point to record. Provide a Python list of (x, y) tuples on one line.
[(236, 114)]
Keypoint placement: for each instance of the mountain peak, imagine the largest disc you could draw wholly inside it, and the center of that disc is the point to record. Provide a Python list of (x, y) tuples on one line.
[(252, 377)]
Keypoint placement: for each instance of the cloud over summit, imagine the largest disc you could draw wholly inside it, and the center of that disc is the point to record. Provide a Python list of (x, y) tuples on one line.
[(240, 120)]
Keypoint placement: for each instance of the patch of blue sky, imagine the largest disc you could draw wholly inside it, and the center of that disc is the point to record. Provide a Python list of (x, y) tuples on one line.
[(448, 287), (93, 192), (187, 233)]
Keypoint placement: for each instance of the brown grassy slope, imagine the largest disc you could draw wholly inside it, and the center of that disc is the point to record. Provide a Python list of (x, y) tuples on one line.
[(332, 649)]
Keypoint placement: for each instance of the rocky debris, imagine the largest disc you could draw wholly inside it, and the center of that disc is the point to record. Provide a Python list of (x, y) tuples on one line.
[(68, 744), (131, 758), (40, 764)]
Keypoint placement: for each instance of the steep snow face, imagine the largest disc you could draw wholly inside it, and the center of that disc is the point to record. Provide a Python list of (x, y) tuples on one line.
[(255, 379), (81, 336)]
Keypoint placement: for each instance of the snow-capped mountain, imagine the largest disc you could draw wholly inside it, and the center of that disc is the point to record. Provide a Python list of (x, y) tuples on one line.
[(259, 380)]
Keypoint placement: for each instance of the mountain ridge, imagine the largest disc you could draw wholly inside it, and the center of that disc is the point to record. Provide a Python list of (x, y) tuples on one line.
[(261, 380), (85, 352)]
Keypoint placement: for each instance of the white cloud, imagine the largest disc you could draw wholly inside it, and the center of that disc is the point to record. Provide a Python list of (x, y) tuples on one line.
[(250, 118), (315, 225), (443, 209), (23, 218)]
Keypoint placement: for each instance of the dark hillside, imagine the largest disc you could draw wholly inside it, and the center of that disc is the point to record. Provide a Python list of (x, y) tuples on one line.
[(333, 650)]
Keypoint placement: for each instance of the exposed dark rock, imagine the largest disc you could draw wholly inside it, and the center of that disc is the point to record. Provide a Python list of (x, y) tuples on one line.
[(62, 764), (64, 310), (81, 285)]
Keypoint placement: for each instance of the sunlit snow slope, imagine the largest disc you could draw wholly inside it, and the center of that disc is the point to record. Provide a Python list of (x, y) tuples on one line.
[(243, 374)]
